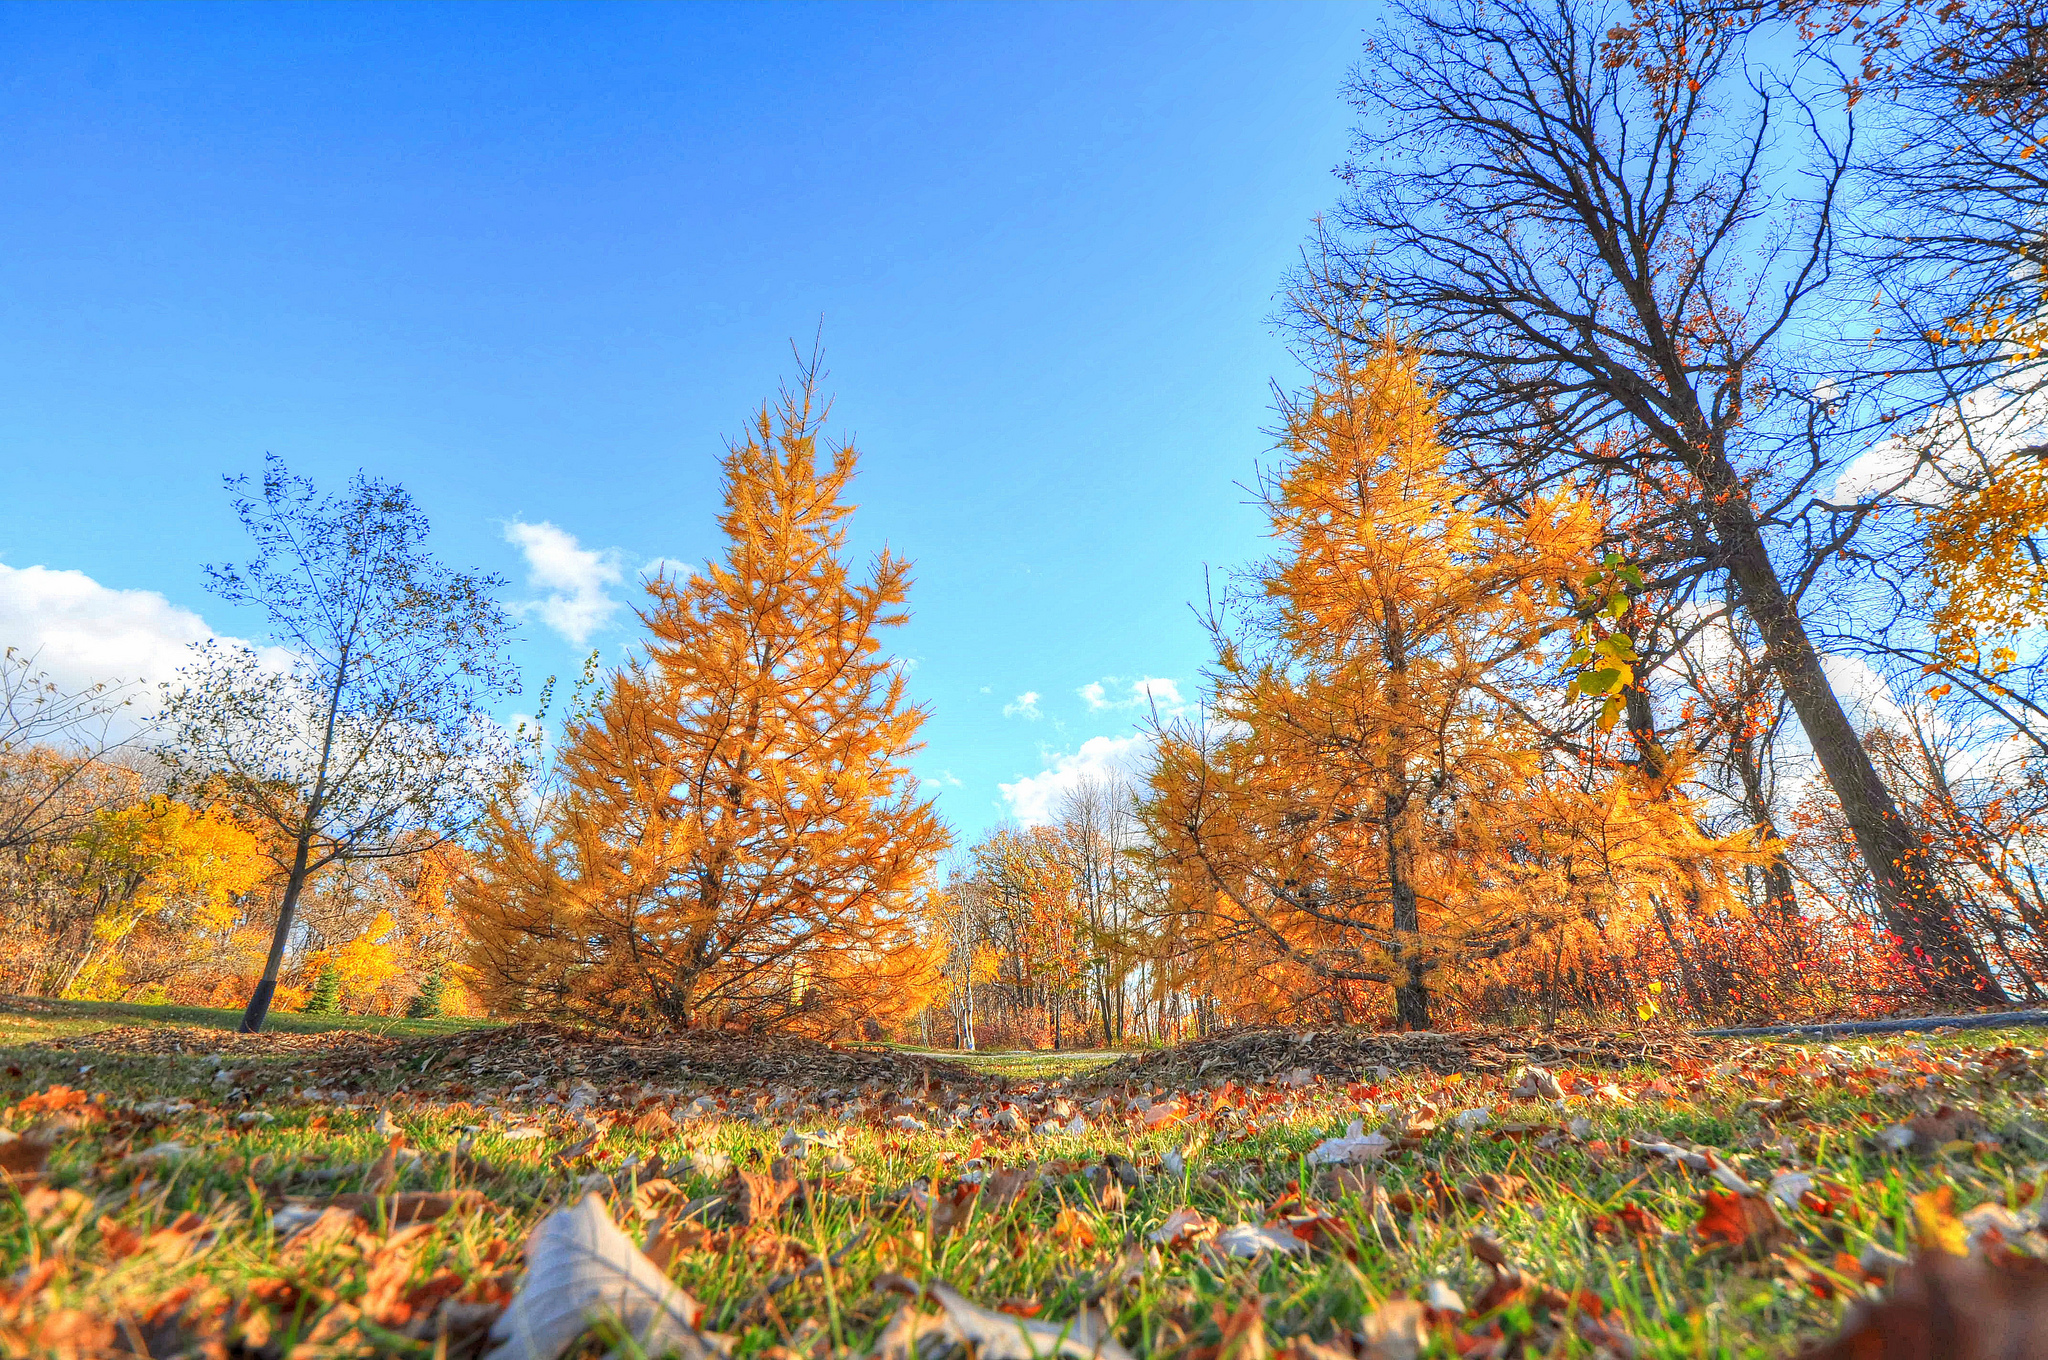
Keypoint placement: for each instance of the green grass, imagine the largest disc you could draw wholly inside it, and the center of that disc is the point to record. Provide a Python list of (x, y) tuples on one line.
[(233, 1280), (24, 1019), (1024, 1064)]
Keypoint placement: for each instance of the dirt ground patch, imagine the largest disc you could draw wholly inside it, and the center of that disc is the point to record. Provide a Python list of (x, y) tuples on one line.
[(497, 1059), (1261, 1055)]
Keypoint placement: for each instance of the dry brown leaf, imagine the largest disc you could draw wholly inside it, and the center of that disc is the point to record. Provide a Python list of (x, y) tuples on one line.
[(384, 1171), (1739, 1223), (580, 1267), (22, 1161), (1396, 1330), (1243, 1330), (410, 1206), (996, 1335), (1490, 1188), (763, 1193), (1945, 1125), (569, 1156), (1184, 1227), (1944, 1307), (1010, 1184), (667, 1240), (1071, 1231)]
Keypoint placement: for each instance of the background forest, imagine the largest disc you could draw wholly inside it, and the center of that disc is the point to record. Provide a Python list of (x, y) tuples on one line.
[(1652, 630)]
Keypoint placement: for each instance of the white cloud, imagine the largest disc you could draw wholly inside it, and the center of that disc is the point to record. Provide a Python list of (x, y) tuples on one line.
[(1865, 693), (574, 577), (1035, 799), (666, 566), (943, 780), (1990, 423), (81, 633), (1146, 694), (1026, 707)]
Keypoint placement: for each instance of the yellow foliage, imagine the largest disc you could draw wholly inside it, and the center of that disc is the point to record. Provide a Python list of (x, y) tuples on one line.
[(1986, 565), (370, 960), (157, 857)]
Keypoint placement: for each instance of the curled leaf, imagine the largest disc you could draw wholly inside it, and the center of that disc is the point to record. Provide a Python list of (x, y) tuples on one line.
[(580, 1270)]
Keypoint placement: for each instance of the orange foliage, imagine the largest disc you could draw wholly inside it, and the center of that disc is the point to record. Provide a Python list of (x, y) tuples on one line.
[(733, 836)]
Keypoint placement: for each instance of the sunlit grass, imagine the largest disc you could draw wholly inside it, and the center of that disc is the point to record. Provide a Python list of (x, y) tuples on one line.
[(1052, 1252)]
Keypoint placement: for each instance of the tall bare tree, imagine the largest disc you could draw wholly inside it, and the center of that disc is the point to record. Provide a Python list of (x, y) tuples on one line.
[(1612, 231)]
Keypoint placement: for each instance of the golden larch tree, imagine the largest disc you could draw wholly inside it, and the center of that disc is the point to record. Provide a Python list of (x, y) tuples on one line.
[(1349, 803), (733, 836)]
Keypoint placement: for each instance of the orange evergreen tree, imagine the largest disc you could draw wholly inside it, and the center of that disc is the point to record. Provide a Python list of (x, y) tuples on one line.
[(1368, 798), (733, 837)]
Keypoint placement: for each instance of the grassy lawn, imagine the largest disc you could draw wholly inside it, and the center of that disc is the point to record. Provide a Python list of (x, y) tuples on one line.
[(176, 1203), (25, 1019)]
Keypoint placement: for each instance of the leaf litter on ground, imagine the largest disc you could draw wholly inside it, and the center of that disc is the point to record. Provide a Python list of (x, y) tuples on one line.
[(855, 1206)]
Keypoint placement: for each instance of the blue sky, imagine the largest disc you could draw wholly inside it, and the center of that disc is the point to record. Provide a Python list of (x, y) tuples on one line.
[(535, 261)]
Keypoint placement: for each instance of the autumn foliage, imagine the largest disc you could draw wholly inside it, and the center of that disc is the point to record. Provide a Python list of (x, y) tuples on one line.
[(732, 836)]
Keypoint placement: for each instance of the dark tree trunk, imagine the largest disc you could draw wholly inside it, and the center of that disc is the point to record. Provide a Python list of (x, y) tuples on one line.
[(259, 1003), (1948, 963)]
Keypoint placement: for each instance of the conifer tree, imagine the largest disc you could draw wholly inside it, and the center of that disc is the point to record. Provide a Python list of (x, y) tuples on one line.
[(427, 1004), (1369, 799), (325, 998), (733, 836)]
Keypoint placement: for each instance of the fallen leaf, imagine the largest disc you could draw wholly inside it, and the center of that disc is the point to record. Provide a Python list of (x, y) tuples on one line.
[(763, 1193), (579, 1269), (903, 1337), (1934, 1214), (1249, 1241), (1396, 1330), (1742, 1223), (1944, 1307), (384, 1171), (1536, 1083), (1071, 1231), (1184, 1227), (1010, 1184), (1242, 1329), (1491, 1188), (1000, 1336), (410, 1206), (22, 1161), (1355, 1148), (56, 1100)]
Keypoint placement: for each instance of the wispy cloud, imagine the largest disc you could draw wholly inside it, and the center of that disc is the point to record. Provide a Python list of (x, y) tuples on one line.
[(1024, 706), (1035, 799), (576, 579), (1147, 694)]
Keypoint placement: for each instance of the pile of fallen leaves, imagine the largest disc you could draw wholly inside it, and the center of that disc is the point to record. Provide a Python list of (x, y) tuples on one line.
[(1272, 1054), (539, 1052), (182, 1041)]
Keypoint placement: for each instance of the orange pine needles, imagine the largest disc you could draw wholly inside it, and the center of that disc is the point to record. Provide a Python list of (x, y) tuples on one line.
[(733, 837), (1372, 800)]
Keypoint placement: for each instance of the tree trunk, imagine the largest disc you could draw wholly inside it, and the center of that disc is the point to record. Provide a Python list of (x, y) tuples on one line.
[(1947, 962), (1411, 998), (259, 1004)]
